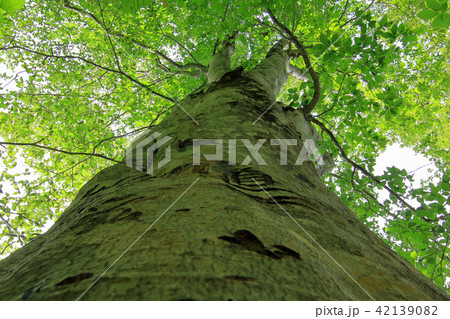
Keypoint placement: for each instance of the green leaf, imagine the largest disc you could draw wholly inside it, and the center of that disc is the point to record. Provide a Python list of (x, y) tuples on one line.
[(421, 211), (427, 14), (11, 6), (324, 39), (383, 21), (379, 78), (440, 229), (441, 21), (438, 281), (134, 5), (437, 5)]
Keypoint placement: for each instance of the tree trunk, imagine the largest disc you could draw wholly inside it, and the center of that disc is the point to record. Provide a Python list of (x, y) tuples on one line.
[(214, 231)]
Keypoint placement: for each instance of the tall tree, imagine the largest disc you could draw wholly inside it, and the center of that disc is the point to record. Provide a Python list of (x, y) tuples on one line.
[(255, 220)]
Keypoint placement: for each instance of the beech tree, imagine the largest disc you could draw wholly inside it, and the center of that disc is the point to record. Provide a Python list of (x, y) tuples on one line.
[(192, 126)]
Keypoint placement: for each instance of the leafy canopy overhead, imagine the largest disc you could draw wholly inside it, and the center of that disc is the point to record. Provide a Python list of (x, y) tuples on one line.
[(10, 6), (84, 77)]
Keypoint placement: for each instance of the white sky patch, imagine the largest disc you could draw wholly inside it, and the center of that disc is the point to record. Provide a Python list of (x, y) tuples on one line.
[(7, 83), (405, 158)]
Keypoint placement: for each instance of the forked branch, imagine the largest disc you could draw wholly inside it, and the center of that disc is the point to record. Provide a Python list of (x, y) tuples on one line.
[(307, 109), (181, 68)]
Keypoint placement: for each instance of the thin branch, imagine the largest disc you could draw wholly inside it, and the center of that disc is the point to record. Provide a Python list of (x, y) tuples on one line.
[(35, 144), (344, 11), (223, 20), (442, 217), (72, 57), (4, 249), (62, 172), (395, 6), (179, 67), (262, 23), (335, 98), (363, 193), (11, 229), (12, 79), (109, 38), (359, 167), (183, 47), (443, 252), (293, 18), (369, 175), (115, 54), (357, 17), (436, 247), (23, 216), (67, 5), (198, 66), (152, 123), (87, 158), (420, 168)]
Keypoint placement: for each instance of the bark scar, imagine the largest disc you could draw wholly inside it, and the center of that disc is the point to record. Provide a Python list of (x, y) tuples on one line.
[(249, 241)]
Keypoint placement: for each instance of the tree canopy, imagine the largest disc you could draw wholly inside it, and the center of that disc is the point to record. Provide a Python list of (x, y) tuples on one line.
[(82, 78)]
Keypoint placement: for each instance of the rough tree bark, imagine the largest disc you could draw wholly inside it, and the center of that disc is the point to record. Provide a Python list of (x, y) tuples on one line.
[(215, 231)]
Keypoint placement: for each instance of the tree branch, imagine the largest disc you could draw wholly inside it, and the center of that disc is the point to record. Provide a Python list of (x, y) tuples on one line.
[(369, 175), (220, 63), (358, 167), (180, 67), (355, 18), (262, 23), (197, 64), (307, 109), (72, 57), (363, 193), (223, 20), (35, 144), (152, 123), (109, 39), (336, 97), (297, 73), (67, 5), (4, 249), (201, 68), (344, 11), (11, 229)]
